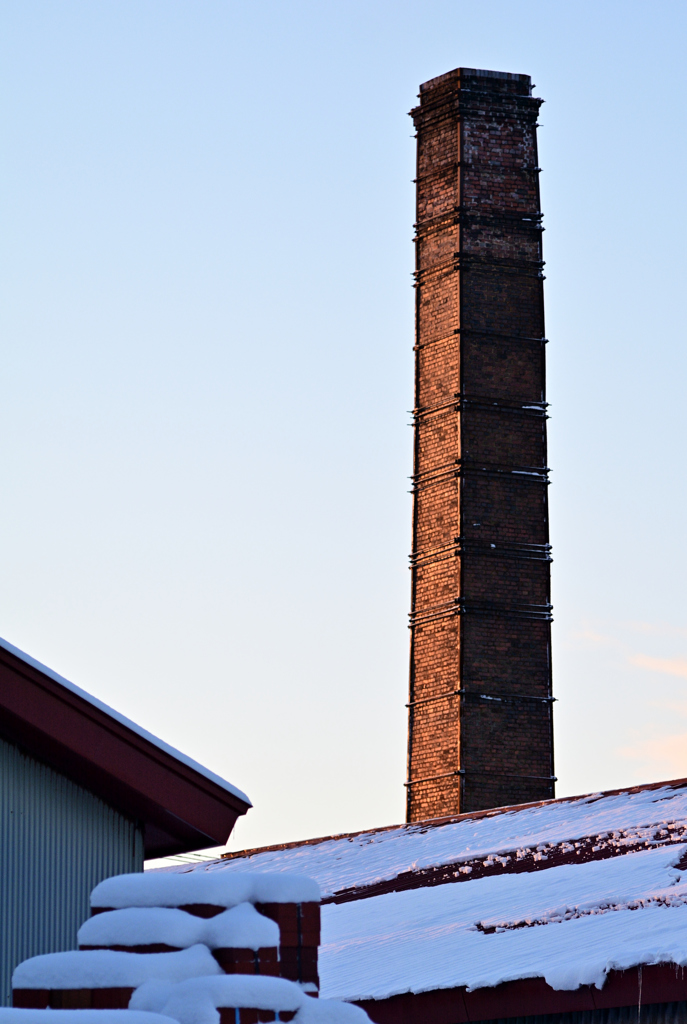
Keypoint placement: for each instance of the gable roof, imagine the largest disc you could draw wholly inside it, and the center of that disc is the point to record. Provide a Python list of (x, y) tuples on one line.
[(546, 907), (569, 925), (521, 838), (181, 804)]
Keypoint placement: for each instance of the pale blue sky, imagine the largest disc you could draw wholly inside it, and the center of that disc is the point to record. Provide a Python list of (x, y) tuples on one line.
[(207, 328)]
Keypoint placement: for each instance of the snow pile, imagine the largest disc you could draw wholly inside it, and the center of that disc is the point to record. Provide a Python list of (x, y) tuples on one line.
[(140, 926), (148, 912), (370, 857), (253, 991), (197, 1001), (9, 1015), (106, 968), (569, 925), (330, 1011), (163, 889), (241, 927)]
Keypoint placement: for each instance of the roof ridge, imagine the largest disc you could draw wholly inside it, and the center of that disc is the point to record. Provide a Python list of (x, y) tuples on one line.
[(449, 820)]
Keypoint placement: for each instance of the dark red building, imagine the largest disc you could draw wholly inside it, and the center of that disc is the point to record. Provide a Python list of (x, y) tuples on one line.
[(85, 794), (570, 911)]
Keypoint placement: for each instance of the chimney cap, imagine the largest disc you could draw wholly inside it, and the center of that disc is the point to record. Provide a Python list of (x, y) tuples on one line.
[(457, 73)]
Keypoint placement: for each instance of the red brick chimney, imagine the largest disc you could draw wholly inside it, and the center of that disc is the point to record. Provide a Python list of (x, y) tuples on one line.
[(480, 715)]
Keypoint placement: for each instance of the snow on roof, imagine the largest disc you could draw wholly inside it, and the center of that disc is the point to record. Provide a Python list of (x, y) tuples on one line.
[(188, 761), (347, 862), (163, 889), (196, 1001), (564, 890), (12, 1015), (105, 968), (570, 925)]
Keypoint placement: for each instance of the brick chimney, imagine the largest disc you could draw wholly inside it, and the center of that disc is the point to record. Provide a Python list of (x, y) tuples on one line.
[(480, 728)]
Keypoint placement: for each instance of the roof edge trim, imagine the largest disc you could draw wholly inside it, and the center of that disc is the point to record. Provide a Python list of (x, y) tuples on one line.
[(126, 722)]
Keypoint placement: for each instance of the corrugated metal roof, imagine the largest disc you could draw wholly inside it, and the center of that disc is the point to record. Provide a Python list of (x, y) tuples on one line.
[(504, 840), (565, 890), (182, 805), (126, 721)]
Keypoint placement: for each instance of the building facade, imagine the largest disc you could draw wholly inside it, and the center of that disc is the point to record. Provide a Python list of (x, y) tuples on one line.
[(84, 794), (567, 911), (57, 841), (480, 704)]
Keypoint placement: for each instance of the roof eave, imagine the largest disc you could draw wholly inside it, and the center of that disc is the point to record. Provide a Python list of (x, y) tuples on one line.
[(531, 997), (180, 809)]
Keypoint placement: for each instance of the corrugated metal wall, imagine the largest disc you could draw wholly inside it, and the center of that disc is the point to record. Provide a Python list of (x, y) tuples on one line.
[(57, 841)]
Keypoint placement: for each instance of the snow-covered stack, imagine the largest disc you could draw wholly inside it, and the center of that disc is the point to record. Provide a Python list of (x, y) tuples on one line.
[(102, 979), (166, 938), (242, 1000), (242, 940), (11, 1015), (206, 1000), (237, 909)]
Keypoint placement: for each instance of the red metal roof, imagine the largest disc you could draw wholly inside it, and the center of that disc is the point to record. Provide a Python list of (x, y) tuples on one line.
[(572, 904), (182, 806), (639, 987)]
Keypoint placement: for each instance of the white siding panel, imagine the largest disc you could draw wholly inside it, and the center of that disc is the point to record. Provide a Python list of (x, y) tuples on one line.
[(57, 841)]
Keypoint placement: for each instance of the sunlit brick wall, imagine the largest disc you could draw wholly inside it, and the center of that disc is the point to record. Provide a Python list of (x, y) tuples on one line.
[(480, 729)]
